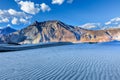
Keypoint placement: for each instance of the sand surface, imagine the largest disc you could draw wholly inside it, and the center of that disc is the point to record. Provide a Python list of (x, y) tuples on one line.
[(68, 62)]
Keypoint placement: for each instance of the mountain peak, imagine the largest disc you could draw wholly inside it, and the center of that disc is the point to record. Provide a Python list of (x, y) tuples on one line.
[(49, 21), (7, 30), (52, 21)]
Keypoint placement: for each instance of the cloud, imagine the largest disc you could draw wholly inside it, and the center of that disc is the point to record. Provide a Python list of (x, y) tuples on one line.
[(22, 20), (69, 1), (116, 19), (107, 23), (29, 7), (22, 17), (59, 2), (14, 20), (32, 8), (91, 26), (4, 20), (13, 16), (44, 7), (113, 21), (17, 21)]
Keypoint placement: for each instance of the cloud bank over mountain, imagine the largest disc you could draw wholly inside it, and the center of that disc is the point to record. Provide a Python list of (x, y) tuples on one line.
[(112, 23)]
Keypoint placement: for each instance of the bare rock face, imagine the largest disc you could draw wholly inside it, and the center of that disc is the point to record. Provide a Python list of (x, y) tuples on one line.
[(95, 36), (100, 35), (48, 31), (56, 31)]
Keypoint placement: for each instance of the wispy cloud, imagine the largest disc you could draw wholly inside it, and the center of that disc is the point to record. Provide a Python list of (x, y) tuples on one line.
[(113, 21), (59, 2), (69, 1), (91, 26)]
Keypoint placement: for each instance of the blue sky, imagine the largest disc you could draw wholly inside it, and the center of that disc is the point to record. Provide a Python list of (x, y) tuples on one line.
[(74, 12)]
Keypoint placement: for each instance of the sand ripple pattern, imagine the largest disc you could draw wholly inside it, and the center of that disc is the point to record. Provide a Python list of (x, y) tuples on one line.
[(61, 63)]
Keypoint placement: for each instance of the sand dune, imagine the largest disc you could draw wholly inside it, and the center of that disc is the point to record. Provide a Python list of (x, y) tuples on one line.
[(69, 62)]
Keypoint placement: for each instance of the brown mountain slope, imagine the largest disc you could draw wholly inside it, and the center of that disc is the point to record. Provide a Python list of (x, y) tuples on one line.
[(100, 35), (56, 31), (48, 31)]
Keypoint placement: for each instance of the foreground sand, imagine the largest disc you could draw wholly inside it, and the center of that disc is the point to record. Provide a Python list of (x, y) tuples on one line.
[(70, 62)]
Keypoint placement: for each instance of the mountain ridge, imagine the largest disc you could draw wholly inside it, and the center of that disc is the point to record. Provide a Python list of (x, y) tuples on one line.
[(57, 31)]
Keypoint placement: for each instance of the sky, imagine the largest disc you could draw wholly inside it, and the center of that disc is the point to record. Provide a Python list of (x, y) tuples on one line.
[(21, 13)]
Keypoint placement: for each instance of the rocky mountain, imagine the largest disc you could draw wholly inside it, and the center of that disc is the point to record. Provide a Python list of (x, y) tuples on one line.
[(48, 31), (101, 35), (57, 31), (7, 30)]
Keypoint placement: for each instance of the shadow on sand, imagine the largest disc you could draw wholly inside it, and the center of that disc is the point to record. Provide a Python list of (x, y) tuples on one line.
[(8, 48)]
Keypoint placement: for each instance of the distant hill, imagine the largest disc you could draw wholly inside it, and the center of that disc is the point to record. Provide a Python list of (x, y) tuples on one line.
[(57, 31), (7, 30)]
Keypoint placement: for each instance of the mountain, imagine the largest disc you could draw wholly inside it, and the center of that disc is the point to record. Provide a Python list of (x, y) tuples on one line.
[(101, 35), (57, 31), (7, 30), (47, 31)]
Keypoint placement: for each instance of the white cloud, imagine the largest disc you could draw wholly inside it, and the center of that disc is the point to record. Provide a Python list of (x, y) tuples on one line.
[(17, 0), (12, 12), (116, 19), (44, 7), (22, 20), (29, 7), (4, 20), (107, 23), (69, 1), (14, 20), (59, 2), (113, 21), (13, 16), (32, 8), (91, 26)]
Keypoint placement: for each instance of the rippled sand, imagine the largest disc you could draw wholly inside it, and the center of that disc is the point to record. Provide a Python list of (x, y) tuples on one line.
[(70, 62)]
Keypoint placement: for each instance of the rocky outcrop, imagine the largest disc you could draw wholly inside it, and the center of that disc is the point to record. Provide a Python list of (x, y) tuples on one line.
[(56, 31)]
